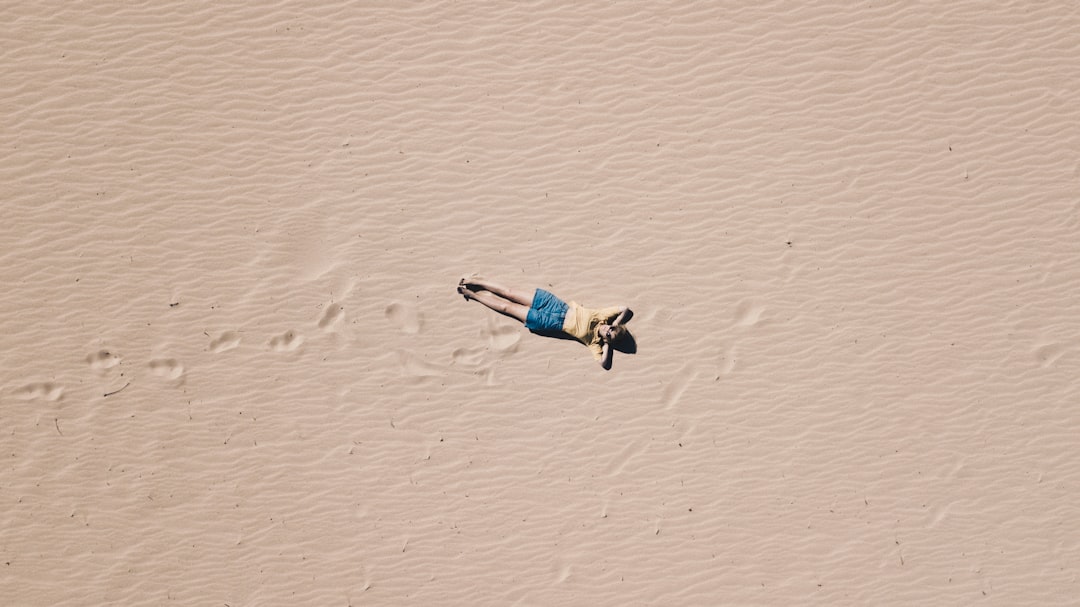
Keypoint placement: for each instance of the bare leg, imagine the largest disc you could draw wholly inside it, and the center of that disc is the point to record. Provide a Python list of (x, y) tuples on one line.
[(500, 305), (515, 295)]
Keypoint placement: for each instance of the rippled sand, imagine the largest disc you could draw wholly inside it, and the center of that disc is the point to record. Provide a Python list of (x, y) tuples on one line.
[(235, 370)]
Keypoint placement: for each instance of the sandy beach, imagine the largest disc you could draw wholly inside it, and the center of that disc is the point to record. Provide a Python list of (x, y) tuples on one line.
[(235, 370)]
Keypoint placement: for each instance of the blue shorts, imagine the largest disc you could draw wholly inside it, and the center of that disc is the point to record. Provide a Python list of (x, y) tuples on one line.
[(547, 312)]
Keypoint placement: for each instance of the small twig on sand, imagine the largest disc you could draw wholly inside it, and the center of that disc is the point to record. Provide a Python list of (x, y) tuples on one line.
[(56, 422), (115, 391)]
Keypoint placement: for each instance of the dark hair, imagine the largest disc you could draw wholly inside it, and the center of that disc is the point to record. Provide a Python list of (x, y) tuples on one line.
[(617, 333)]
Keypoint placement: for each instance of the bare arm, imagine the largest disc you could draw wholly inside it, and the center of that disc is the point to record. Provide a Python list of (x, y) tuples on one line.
[(605, 357), (625, 314)]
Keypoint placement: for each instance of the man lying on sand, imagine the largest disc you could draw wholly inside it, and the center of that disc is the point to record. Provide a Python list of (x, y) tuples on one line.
[(542, 312)]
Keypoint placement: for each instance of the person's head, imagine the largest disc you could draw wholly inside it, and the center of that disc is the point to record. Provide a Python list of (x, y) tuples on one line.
[(610, 334)]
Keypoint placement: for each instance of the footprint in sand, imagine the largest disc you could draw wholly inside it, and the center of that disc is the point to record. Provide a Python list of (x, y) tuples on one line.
[(1048, 354), (225, 342), (405, 317), (330, 317), (167, 368), (40, 391), (102, 360), (469, 357), (503, 338), (748, 313), (416, 367), (286, 342), (563, 572)]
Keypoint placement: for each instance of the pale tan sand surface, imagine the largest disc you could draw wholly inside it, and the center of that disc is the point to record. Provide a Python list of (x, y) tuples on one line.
[(235, 371)]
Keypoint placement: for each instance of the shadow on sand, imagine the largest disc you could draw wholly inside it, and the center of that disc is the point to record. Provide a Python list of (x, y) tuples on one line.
[(626, 345)]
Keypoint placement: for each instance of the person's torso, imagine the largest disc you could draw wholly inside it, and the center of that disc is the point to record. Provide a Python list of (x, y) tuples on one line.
[(581, 323)]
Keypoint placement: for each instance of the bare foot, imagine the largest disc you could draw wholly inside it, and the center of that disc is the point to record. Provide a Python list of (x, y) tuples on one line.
[(474, 281), (465, 292)]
